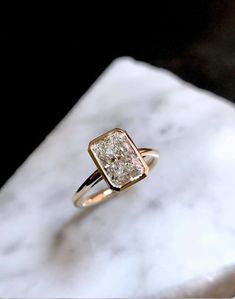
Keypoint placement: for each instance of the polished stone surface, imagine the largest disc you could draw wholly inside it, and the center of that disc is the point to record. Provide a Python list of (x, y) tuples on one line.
[(172, 228)]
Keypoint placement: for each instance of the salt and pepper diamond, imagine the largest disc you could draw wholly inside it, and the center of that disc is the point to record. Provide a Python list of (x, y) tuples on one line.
[(118, 159)]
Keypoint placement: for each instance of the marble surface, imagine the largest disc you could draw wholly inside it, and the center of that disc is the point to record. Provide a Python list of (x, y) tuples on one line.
[(173, 228)]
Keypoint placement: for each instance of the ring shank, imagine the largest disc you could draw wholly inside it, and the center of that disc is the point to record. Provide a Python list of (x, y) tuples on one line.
[(152, 157)]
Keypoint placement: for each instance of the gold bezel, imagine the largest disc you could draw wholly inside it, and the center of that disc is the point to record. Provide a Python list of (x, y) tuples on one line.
[(102, 170)]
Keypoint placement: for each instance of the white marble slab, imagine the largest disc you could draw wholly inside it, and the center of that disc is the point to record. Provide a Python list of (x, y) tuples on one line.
[(175, 226)]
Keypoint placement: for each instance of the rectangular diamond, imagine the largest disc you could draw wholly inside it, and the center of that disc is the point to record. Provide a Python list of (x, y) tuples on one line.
[(118, 159)]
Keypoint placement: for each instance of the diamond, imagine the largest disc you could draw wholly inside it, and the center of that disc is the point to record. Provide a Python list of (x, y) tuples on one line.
[(118, 159)]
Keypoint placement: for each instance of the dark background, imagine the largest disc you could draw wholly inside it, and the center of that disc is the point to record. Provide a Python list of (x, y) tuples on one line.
[(45, 69)]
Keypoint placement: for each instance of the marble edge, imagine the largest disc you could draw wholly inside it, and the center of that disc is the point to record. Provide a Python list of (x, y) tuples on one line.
[(120, 62)]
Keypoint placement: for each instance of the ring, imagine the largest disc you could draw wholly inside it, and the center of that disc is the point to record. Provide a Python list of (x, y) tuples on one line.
[(119, 162)]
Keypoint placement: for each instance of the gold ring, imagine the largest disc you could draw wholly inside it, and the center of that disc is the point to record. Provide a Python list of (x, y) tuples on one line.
[(119, 162)]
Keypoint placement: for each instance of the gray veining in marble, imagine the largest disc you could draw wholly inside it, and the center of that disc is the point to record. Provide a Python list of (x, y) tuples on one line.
[(174, 226)]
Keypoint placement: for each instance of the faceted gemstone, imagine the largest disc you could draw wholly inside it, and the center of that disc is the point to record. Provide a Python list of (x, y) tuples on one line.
[(117, 158)]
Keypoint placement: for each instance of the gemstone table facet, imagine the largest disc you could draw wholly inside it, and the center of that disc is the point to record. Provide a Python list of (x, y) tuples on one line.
[(118, 158)]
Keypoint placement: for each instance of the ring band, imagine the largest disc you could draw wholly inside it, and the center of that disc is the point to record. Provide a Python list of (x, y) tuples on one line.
[(119, 163)]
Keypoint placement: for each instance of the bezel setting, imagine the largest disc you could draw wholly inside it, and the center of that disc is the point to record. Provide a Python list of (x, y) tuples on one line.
[(118, 159)]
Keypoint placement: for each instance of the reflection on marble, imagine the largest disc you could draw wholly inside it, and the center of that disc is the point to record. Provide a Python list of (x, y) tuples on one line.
[(175, 226)]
